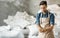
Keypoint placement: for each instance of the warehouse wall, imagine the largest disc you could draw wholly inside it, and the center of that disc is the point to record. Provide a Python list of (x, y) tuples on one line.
[(34, 5), (10, 7)]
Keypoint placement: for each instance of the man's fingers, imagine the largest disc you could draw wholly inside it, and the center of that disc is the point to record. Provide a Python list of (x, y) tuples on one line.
[(41, 30)]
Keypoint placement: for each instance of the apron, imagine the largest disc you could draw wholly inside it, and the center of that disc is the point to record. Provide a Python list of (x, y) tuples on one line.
[(44, 22)]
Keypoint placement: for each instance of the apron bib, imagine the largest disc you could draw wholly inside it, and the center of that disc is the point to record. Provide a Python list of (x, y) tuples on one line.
[(44, 22)]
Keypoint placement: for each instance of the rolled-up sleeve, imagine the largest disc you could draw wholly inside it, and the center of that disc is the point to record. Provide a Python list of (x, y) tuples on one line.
[(37, 19), (52, 19)]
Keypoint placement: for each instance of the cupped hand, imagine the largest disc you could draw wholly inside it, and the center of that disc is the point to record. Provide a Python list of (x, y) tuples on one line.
[(42, 30)]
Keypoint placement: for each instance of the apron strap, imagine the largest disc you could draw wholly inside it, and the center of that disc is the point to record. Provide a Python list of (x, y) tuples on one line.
[(41, 17), (48, 14)]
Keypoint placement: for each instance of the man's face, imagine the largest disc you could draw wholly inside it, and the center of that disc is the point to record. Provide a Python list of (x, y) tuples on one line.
[(43, 8)]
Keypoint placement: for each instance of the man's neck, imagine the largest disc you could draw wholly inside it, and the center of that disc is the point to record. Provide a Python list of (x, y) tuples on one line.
[(44, 12)]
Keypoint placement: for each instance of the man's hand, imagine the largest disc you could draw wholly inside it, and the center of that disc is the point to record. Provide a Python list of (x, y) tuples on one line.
[(47, 29), (41, 29), (50, 28)]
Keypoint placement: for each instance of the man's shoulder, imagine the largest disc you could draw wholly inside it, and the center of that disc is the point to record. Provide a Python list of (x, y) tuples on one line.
[(51, 13), (39, 12)]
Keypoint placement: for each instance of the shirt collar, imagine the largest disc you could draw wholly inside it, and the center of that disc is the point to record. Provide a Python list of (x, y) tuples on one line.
[(45, 12)]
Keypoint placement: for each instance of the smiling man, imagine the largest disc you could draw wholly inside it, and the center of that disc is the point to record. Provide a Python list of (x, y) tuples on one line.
[(45, 21)]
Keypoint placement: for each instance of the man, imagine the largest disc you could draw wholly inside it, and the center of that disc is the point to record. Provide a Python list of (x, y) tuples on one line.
[(45, 21)]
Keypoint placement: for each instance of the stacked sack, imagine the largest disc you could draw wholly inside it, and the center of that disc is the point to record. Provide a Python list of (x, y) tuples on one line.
[(55, 9), (20, 20)]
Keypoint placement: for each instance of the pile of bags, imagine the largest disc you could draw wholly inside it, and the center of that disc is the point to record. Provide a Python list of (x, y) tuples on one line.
[(55, 9), (33, 33), (7, 32), (19, 21)]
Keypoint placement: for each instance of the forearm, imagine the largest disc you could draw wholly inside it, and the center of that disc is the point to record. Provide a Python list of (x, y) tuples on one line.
[(50, 27), (39, 27)]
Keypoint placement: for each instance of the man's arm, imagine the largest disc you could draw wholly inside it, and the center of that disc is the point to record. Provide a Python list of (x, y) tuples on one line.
[(38, 22), (50, 28), (52, 22), (40, 28)]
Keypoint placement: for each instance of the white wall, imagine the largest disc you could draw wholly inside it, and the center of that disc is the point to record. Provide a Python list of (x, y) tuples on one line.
[(34, 5), (10, 8)]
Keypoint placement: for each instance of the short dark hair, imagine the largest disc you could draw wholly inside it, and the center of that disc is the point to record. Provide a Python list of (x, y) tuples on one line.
[(43, 3)]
